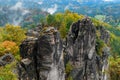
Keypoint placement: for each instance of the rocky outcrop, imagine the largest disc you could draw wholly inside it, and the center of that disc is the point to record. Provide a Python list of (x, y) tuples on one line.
[(27, 69), (105, 36), (81, 42), (6, 59), (81, 51), (34, 32), (42, 57)]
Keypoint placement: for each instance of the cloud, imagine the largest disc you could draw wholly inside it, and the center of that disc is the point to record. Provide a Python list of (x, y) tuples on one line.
[(66, 7), (17, 21), (40, 2), (17, 6), (24, 12), (1, 9), (18, 12), (53, 9)]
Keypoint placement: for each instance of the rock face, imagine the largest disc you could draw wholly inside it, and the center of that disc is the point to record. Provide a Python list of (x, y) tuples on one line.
[(81, 43), (6, 59), (27, 67), (104, 34), (81, 51), (106, 52), (42, 57), (50, 56)]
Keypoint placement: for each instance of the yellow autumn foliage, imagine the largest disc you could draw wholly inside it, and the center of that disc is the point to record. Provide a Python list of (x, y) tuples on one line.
[(13, 33), (8, 47)]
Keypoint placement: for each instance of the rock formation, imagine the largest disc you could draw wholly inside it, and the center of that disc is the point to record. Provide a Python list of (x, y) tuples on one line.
[(81, 51), (43, 57), (80, 46), (6, 59)]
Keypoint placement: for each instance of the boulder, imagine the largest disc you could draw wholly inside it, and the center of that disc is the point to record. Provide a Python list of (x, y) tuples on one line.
[(6, 59)]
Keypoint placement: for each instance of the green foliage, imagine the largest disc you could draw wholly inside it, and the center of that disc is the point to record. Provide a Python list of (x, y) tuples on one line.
[(100, 17), (69, 78), (62, 21), (1, 34), (6, 72), (115, 44), (50, 19), (100, 45), (10, 38), (63, 31), (114, 35), (114, 68), (13, 33), (98, 23), (68, 68)]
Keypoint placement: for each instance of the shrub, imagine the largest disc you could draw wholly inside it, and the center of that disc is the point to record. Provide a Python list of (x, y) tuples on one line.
[(6, 72), (114, 68), (13, 33), (8, 47), (99, 47), (68, 68)]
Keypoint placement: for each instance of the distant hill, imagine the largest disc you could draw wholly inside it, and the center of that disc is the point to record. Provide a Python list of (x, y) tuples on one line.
[(20, 15), (93, 8)]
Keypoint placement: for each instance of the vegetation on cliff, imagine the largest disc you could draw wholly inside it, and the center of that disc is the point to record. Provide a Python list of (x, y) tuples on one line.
[(62, 21), (11, 37)]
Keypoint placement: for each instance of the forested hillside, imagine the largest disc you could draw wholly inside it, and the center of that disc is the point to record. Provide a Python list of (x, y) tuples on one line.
[(11, 37), (59, 40)]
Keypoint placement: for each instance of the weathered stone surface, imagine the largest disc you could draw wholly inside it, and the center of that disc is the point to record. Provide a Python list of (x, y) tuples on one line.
[(42, 57), (34, 32), (81, 47), (105, 36), (27, 67), (103, 60), (81, 51), (50, 56), (6, 59)]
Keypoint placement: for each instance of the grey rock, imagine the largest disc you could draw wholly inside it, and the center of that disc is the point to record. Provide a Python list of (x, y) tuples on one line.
[(105, 36), (6, 59), (26, 61), (42, 58), (80, 50), (34, 32)]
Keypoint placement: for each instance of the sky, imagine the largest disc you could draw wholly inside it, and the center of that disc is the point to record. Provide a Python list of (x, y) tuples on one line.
[(108, 0)]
